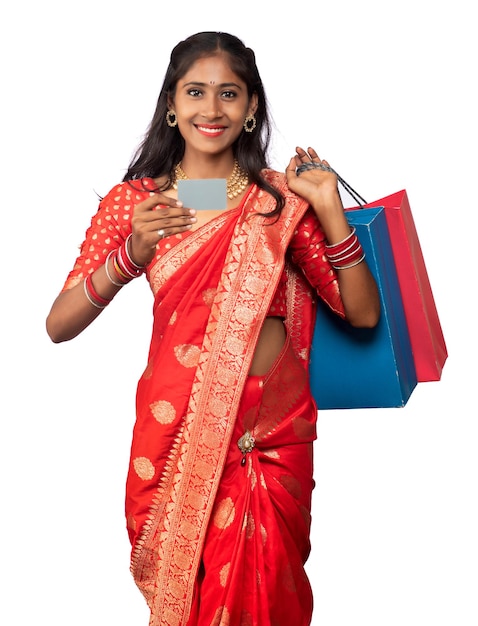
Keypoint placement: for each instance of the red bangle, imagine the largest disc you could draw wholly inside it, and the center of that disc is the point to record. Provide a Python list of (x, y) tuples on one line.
[(340, 246), (117, 279), (125, 265), (346, 253), (94, 298)]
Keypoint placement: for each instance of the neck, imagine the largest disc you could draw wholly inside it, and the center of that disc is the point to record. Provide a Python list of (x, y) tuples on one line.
[(207, 166)]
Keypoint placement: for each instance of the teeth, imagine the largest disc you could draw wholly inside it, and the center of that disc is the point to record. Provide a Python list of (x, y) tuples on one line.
[(212, 131)]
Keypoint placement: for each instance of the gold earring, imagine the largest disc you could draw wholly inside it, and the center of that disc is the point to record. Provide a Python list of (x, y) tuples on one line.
[(250, 123), (171, 119)]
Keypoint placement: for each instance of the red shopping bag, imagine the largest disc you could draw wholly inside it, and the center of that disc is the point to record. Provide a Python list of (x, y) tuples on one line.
[(426, 335)]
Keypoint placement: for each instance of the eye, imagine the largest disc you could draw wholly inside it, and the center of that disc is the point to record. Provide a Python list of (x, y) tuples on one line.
[(228, 94), (194, 92)]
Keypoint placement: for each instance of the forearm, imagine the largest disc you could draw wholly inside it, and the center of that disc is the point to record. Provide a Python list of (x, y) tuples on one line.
[(357, 286), (359, 295), (72, 311)]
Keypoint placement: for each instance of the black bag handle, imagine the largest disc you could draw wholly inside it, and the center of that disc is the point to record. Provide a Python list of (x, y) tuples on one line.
[(311, 165)]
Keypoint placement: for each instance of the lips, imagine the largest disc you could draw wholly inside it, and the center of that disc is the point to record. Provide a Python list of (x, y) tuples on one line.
[(210, 131)]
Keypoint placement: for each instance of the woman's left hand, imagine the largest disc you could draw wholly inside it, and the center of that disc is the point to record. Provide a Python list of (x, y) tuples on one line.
[(317, 186)]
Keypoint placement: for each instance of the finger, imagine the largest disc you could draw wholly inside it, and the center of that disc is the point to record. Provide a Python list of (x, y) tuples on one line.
[(174, 228), (167, 222), (292, 165), (301, 154), (163, 211), (313, 154), (156, 200), (162, 217)]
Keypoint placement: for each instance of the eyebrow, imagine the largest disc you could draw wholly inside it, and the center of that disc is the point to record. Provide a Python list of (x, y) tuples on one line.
[(220, 85)]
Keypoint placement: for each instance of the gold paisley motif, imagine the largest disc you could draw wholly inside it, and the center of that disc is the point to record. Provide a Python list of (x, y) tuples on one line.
[(170, 616), (204, 470), (224, 513), (306, 514), (210, 439), (218, 407), (173, 318), (227, 377), (163, 411), (265, 255), (255, 285), (208, 296), (148, 371), (303, 428), (182, 561), (223, 574), (143, 468), (292, 485), (272, 454), (187, 354), (253, 480), (221, 617), (246, 618), (288, 579), (244, 315), (234, 346), (258, 578), (250, 526), (188, 530), (168, 271), (196, 500), (263, 535)]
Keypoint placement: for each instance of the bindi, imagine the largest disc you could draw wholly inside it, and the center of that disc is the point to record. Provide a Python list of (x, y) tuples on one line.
[(212, 82)]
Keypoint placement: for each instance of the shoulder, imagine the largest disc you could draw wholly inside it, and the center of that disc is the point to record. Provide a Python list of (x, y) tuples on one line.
[(129, 191), (273, 177), (117, 206)]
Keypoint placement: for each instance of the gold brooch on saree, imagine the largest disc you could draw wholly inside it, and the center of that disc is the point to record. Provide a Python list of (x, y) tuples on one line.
[(246, 443)]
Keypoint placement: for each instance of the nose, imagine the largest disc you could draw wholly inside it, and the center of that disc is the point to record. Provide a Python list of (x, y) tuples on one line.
[(211, 109)]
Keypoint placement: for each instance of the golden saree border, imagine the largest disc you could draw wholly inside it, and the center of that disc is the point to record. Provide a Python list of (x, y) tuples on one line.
[(180, 512)]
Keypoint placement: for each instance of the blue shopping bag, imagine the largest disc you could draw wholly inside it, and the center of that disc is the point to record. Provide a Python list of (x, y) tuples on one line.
[(365, 367)]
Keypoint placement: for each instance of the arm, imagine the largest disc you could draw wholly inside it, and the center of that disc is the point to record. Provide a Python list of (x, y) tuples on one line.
[(357, 286), (77, 306)]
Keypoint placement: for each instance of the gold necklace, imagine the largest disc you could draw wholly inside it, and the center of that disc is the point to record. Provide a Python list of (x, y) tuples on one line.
[(236, 183)]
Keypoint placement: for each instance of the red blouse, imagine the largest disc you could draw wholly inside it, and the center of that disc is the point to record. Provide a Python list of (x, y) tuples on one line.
[(112, 224)]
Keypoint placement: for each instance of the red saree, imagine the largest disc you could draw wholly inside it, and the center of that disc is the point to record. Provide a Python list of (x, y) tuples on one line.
[(219, 536)]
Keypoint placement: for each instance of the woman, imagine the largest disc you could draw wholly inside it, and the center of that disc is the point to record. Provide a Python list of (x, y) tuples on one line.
[(219, 487)]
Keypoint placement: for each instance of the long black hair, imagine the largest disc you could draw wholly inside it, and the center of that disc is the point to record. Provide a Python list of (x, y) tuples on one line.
[(163, 147)]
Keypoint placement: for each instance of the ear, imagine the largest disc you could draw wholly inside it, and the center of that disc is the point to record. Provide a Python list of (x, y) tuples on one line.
[(252, 104)]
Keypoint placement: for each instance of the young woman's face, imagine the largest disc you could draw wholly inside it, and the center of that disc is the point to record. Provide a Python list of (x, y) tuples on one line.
[(211, 103)]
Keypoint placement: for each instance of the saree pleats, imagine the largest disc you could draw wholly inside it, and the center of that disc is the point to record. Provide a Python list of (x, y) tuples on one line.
[(258, 537)]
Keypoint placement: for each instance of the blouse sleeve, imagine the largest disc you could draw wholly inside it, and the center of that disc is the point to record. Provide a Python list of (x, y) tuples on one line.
[(109, 228), (307, 251)]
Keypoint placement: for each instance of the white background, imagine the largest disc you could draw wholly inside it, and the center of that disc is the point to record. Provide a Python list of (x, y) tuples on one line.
[(387, 93)]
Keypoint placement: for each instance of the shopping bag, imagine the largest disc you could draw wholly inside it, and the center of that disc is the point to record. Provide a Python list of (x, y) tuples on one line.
[(426, 335), (365, 367)]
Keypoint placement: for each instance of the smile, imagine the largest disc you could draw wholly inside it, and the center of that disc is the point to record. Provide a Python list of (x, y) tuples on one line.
[(211, 131)]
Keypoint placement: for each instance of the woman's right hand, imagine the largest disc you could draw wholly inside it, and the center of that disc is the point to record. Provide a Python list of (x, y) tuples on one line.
[(153, 219)]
